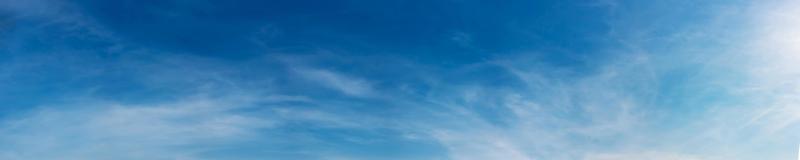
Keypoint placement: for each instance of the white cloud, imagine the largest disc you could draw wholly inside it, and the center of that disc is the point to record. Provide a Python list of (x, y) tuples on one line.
[(348, 85), (118, 131), (640, 156), (548, 118), (774, 65), (175, 122), (479, 146)]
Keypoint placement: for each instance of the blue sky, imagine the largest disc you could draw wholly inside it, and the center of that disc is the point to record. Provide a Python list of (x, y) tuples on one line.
[(392, 80)]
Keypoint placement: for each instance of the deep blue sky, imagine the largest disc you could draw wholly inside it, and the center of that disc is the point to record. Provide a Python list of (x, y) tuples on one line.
[(411, 79)]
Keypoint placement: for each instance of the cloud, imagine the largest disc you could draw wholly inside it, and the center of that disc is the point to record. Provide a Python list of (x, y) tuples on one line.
[(641, 156), (549, 116), (345, 84), (773, 69), (105, 130), (463, 146)]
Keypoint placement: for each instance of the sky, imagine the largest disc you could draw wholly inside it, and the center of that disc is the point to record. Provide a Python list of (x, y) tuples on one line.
[(399, 79)]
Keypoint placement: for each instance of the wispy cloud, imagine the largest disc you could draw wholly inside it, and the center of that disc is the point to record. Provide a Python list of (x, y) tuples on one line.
[(640, 155), (773, 69), (104, 130), (538, 120), (337, 81)]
